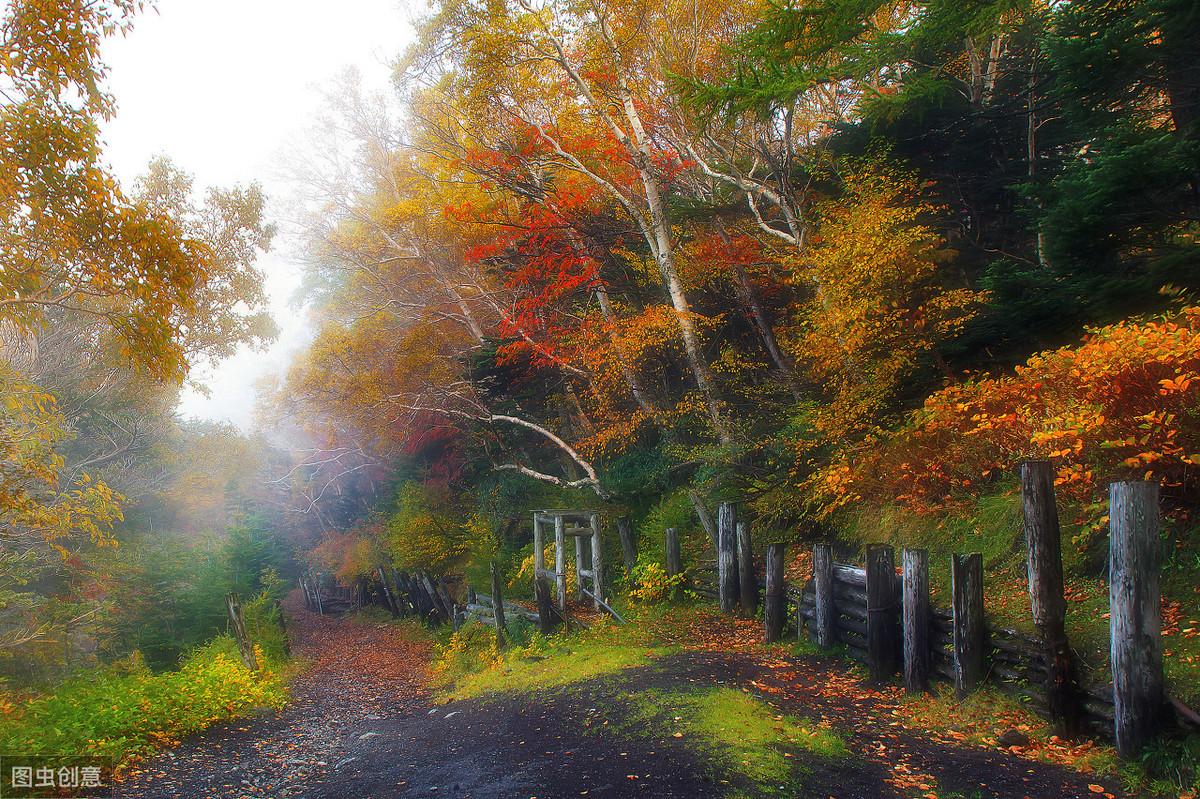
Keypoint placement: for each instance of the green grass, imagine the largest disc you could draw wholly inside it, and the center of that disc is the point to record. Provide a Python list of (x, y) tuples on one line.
[(741, 734), (468, 664)]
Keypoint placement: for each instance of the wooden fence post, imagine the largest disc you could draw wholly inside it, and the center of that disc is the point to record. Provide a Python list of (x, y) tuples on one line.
[(1135, 614), (238, 624), (539, 552), (597, 562), (580, 568), (435, 598), (541, 589), (498, 606), (747, 579), (392, 607), (883, 628), (825, 613), (727, 575), (560, 562), (915, 589), (966, 578), (774, 607), (674, 556), (628, 543), (1043, 542)]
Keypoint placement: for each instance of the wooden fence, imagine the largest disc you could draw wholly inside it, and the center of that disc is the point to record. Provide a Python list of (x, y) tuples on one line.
[(882, 615)]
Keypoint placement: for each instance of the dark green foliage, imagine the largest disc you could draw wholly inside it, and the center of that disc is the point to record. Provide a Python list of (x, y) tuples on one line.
[(171, 595)]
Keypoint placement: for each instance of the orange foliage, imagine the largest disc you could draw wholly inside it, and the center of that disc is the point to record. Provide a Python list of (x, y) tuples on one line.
[(1125, 404)]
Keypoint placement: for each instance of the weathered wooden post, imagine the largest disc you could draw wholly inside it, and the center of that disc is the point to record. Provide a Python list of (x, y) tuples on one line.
[(317, 594), (727, 576), (597, 563), (825, 612), (560, 561), (393, 608), (539, 551), (498, 605), (747, 579), (1043, 543), (883, 627), (304, 593), (673, 553), (580, 568), (774, 607), (915, 590), (238, 625), (541, 590), (628, 543), (1135, 614), (966, 579), (435, 598)]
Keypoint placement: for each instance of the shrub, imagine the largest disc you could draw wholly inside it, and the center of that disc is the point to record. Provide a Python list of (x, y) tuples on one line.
[(651, 583), (1124, 404), (126, 710)]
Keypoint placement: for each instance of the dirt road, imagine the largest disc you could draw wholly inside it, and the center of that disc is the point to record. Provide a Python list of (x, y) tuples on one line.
[(362, 726)]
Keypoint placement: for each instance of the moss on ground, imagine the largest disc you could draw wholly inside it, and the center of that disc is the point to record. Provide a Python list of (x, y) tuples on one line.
[(469, 664), (739, 733)]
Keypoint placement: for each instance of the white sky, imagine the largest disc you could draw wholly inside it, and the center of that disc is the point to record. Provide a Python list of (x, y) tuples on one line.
[(221, 86)]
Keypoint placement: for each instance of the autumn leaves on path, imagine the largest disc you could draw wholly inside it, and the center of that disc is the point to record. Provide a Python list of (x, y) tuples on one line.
[(356, 673), (721, 717)]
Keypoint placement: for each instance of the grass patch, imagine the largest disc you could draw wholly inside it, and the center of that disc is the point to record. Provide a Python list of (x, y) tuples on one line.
[(469, 664), (743, 735)]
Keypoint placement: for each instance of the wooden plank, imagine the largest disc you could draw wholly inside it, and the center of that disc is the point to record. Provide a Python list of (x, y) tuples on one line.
[(1135, 615), (826, 613), (747, 582), (848, 593), (966, 577), (605, 606), (850, 574), (727, 573), (774, 609), (915, 605)]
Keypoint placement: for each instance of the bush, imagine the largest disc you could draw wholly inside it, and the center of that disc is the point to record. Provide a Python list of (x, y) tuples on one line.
[(651, 583), (126, 710), (1125, 404)]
